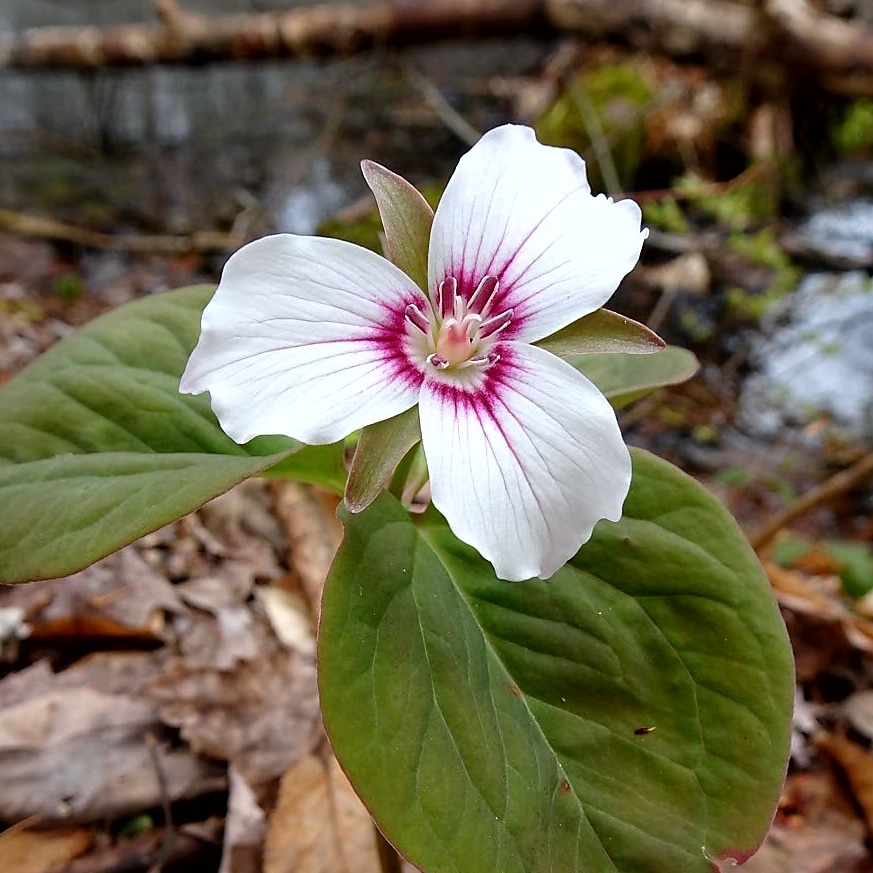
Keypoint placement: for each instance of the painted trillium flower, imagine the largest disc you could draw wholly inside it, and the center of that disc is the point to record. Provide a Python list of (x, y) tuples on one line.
[(314, 338)]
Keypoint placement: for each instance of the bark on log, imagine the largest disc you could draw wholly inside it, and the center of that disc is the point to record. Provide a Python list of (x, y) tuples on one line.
[(680, 28), (787, 33), (21, 224), (343, 29)]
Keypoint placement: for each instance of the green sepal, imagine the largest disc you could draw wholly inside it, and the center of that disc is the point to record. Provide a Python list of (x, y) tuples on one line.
[(380, 449), (406, 217), (602, 332)]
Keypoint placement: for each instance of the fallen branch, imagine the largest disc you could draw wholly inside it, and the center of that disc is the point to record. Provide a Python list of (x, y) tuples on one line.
[(827, 491), (22, 224), (715, 29), (145, 850), (182, 37), (786, 34)]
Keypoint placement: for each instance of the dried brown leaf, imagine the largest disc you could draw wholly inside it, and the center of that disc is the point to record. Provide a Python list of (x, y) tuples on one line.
[(289, 616), (261, 716), (78, 755), (245, 829), (231, 583), (318, 824), (243, 521), (119, 596), (816, 830), (313, 533), (41, 851), (820, 597), (857, 763), (181, 848), (833, 846), (858, 709), (222, 641), (75, 746)]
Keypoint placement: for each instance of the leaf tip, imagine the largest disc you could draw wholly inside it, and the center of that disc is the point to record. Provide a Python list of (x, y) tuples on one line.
[(355, 502)]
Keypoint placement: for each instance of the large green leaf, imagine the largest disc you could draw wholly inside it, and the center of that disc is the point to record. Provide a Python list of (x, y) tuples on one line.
[(630, 714), (97, 446)]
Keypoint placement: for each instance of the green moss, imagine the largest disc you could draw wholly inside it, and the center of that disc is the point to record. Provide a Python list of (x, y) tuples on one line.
[(735, 208), (734, 476), (852, 132), (68, 287), (762, 248), (665, 214), (27, 311), (365, 231), (601, 115)]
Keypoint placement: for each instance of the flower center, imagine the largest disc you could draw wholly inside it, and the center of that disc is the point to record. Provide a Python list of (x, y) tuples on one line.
[(459, 333)]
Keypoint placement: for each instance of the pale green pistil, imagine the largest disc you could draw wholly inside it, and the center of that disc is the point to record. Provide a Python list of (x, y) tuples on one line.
[(460, 333)]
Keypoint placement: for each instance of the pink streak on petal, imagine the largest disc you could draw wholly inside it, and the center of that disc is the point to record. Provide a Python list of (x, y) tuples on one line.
[(525, 460), (523, 213), (468, 281), (483, 401), (389, 337)]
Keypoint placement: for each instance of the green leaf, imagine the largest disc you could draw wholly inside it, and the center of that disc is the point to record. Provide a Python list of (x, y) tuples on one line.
[(630, 714), (406, 217), (98, 447), (318, 465), (856, 570), (603, 332), (380, 449), (623, 378)]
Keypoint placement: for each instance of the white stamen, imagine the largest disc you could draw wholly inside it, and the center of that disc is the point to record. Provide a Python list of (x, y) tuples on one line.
[(495, 324), (483, 296), (473, 323), (460, 333), (437, 362), (417, 318), (482, 361)]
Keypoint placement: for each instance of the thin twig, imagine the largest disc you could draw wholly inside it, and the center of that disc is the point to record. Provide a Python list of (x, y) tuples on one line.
[(831, 488), (452, 119), (36, 226), (163, 789), (599, 143), (25, 823)]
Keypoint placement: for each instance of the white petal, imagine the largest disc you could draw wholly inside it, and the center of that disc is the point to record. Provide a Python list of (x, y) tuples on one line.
[(304, 337), (524, 468), (524, 212)]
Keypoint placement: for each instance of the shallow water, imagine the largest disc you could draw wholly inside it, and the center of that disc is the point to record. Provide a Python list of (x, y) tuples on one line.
[(185, 148), (815, 356)]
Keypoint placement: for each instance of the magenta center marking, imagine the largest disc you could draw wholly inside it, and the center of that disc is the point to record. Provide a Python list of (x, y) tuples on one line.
[(458, 334)]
